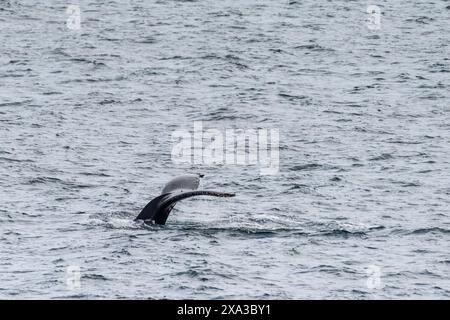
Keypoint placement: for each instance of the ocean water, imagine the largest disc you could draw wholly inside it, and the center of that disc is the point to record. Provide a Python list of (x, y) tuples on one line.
[(359, 208)]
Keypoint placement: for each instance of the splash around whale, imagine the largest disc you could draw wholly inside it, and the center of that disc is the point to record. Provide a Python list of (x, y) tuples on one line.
[(157, 211)]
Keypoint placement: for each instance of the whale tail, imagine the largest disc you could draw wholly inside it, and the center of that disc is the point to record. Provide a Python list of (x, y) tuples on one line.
[(158, 210)]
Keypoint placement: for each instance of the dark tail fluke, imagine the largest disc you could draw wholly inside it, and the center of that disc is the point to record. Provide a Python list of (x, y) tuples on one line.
[(159, 208), (177, 189)]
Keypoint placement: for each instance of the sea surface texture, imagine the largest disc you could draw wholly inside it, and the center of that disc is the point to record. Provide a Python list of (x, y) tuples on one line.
[(359, 207)]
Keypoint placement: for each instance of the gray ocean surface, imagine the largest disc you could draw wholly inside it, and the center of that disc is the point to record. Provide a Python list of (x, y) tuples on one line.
[(358, 210)]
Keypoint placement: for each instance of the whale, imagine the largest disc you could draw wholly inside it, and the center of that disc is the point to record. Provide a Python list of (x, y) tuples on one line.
[(157, 210)]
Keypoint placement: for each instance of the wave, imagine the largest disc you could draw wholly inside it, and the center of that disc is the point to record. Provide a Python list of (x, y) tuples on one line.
[(429, 230)]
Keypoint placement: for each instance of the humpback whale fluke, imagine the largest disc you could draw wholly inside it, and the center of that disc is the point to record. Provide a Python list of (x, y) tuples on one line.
[(157, 210)]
